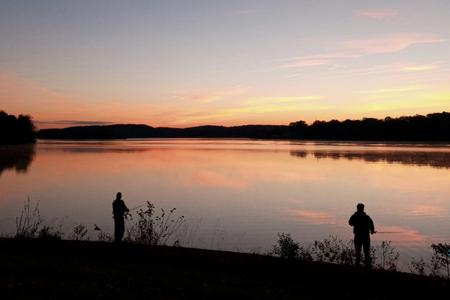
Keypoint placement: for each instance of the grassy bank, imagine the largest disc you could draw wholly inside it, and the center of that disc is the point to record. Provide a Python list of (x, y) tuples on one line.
[(37, 269)]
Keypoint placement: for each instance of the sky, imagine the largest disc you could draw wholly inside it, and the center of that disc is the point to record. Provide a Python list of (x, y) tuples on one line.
[(186, 63)]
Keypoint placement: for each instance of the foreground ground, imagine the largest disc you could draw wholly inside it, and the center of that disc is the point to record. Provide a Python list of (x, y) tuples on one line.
[(96, 270)]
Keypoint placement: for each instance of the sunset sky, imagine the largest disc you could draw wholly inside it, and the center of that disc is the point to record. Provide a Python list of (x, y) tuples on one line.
[(186, 63)]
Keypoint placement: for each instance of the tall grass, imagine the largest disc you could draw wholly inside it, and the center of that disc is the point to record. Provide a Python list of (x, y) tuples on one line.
[(30, 224), (151, 228)]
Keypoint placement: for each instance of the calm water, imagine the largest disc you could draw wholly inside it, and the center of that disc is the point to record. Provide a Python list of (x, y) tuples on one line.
[(238, 194)]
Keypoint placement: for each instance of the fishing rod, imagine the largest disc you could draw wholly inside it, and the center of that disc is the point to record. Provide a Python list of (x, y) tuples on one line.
[(388, 232), (136, 207)]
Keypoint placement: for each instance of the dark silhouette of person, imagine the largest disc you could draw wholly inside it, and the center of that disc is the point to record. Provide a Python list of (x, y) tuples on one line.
[(119, 211), (362, 228)]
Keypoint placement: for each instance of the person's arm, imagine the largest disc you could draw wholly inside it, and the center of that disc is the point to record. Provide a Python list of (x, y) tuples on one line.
[(351, 221), (125, 208), (371, 226)]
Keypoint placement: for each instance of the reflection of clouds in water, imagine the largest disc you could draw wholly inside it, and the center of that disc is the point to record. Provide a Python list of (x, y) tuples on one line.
[(313, 217), (427, 211), (400, 235), (433, 159), (18, 157), (208, 178)]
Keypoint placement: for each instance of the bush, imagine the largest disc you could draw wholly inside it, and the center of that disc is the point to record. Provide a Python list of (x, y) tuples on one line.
[(440, 261), (388, 257), (80, 233), (152, 229), (417, 266), (333, 250), (286, 247)]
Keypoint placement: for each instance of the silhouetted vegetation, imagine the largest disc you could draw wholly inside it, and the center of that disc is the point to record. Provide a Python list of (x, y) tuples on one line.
[(432, 127), (150, 228), (33, 269), (334, 250), (286, 247), (387, 256), (16, 130), (80, 233), (30, 225), (440, 261)]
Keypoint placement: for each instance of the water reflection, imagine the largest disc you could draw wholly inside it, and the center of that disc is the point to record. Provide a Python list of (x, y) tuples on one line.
[(17, 157), (418, 158), (244, 192)]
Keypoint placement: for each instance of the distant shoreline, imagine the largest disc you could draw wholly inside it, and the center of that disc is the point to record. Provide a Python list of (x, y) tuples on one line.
[(430, 128), (312, 141)]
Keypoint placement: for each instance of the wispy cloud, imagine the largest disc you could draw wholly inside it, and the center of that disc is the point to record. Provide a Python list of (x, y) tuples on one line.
[(357, 48), (377, 14), (400, 92), (315, 60), (421, 67), (66, 123), (388, 44), (393, 90), (206, 95)]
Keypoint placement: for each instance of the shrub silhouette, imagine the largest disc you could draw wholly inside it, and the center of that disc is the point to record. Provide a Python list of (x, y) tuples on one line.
[(333, 250), (153, 229), (388, 257), (80, 233), (16, 130), (286, 247), (440, 261)]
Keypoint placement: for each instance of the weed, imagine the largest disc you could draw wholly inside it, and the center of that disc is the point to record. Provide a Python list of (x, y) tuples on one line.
[(152, 229), (286, 247), (388, 257), (80, 233), (333, 250), (417, 266), (440, 261), (29, 223)]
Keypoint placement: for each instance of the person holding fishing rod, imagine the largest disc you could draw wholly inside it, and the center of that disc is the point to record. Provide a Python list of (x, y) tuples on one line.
[(362, 228), (119, 211)]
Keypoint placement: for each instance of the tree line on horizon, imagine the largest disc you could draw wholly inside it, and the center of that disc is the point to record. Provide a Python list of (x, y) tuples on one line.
[(432, 127), (16, 130)]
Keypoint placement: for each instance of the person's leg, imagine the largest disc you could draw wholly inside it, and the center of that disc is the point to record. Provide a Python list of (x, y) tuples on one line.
[(119, 228), (367, 257), (358, 244)]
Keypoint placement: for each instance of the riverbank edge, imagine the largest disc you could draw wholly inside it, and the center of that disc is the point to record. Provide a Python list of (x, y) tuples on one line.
[(40, 269)]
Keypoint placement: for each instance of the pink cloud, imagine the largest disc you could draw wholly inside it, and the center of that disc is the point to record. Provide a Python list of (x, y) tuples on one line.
[(210, 95), (362, 47), (315, 60), (377, 14), (388, 44)]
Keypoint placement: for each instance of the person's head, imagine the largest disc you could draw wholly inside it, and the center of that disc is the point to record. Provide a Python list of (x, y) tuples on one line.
[(360, 207), (119, 195)]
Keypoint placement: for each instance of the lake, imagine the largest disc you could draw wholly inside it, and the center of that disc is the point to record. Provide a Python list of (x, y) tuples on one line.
[(237, 194)]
